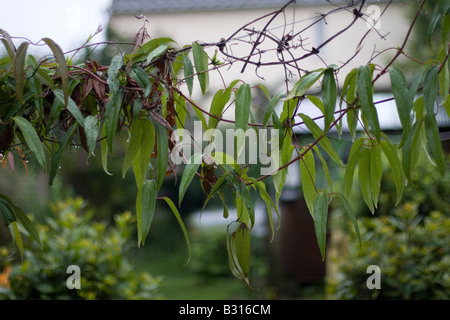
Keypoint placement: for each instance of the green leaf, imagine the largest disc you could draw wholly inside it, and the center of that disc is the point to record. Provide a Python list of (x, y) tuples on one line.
[(324, 141), (148, 201), (63, 70), (112, 117), (32, 140), (163, 153), (201, 66), (142, 79), (113, 73), (71, 106), (242, 111), (19, 70), (394, 162), (308, 178), (411, 150), (104, 150), (430, 89), (22, 217), (280, 177), (147, 145), (58, 154), (156, 53), (9, 45), (143, 51), (351, 215), (376, 170), (326, 171), (329, 96), (243, 247), (18, 239), (305, 82), (133, 146), (364, 178), (188, 70), (402, 97), (91, 129), (434, 143), (271, 107), (244, 195), (8, 213), (182, 226), (444, 74), (188, 174), (355, 153), (320, 220), (218, 103), (365, 95)]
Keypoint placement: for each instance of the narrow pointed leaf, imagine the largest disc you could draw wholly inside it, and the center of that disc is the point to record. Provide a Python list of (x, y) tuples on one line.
[(7, 211), (63, 70), (402, 96), (71, 106), (188, 70), (112, 117), (19, 70), (365, 95), (394, 162), (181, 223), (376, 171), (148, 200), (201, 66), (133, 145), (271, 107), (18, 239), (364, 178), (188, 174), (27, 224), (163, 153), (104, 151), (329, 96), (91, 129), (32, 140), (56, 159), (320, 220), (308, 179), (411, 150), (243, 102)]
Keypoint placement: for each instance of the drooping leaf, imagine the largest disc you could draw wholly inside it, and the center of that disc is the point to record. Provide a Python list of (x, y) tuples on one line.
[(364, 178), (160, 50), (329, 96), (242, 245), (411, 149), (147, 146), (247, 202), (142, 79), (148, 200), (188, 174), (365, 96), (91, 129), (243, 102), (8, 213), (104, 150), (308, 179), (201, 66), (402, 97), (113, 75), (430, 89), (112, 117), (181, 223), (18, 239), (63, 69), (326, 170), (271, 107), (375, 172), (320, 220), (163, 153), (19, 70), (23, 219), (434, 143), (32, 140), (188, 70), (394, 162), (133, 145)]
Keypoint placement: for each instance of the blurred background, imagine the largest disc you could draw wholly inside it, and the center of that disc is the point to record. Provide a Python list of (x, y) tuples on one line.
[(409, 242)]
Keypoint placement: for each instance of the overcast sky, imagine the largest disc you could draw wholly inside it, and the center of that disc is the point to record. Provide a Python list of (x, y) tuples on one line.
[(68, 22)]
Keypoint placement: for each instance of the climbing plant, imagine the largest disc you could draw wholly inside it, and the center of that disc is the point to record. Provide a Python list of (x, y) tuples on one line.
[(50, 104)]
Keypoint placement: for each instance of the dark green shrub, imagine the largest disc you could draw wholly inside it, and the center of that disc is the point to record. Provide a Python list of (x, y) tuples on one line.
[(412, 251), (71, 239)]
